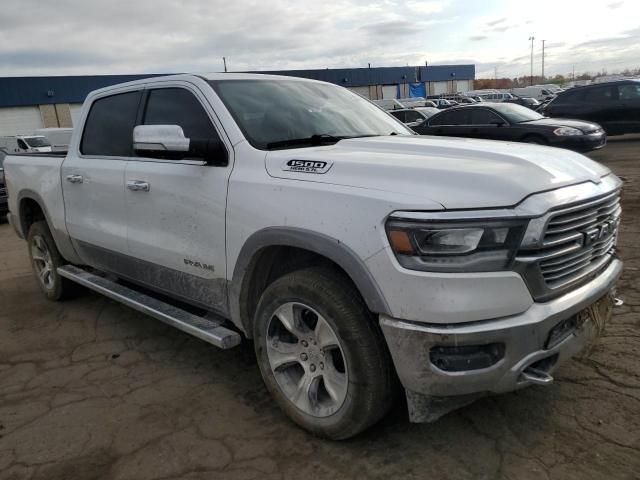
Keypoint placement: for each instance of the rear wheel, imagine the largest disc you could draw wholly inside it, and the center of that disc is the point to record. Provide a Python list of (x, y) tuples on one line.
[(321, 354), (45, 259)]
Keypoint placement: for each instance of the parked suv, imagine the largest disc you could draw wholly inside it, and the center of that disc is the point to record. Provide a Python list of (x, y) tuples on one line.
[(614, 105), (359, 258)]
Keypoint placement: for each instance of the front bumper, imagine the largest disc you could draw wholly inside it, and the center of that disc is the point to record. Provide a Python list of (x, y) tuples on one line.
[(524, 337)]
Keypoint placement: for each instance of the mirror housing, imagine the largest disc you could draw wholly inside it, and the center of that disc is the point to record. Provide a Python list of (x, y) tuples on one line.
[(169, 142)]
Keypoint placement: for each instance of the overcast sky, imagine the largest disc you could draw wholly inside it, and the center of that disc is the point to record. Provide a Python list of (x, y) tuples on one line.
[(61, 37)]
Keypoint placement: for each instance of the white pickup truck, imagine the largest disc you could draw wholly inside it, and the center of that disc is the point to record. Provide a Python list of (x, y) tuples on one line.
[(356, 255)]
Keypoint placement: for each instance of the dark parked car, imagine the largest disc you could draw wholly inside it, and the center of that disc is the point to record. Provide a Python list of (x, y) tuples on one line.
[(412, 117), (614, 105), (528, 102), (3, 189), (506, 121)]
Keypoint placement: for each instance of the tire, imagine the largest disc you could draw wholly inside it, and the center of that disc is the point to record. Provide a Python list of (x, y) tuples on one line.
[(45, 257), (535, 139), (344, 373)]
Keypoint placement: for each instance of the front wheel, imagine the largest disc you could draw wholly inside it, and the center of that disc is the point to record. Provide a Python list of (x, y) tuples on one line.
[(322, 355)]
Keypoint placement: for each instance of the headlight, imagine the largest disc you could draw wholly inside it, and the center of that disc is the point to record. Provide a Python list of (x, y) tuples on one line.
[(567, 132), (455, 246)]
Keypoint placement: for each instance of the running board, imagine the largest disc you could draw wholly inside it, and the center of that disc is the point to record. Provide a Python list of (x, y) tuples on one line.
[(209, 330)]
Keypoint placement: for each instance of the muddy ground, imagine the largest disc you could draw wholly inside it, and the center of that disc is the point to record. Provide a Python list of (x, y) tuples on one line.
[(90, 389)]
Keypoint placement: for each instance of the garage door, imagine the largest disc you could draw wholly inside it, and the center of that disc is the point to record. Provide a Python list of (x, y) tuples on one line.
[(75, 112), (19, 120), (389, 91), (364, 91), (438, 88), (464, 86)]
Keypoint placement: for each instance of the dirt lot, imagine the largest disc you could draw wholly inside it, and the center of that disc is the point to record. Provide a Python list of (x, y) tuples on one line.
[(90, 389)]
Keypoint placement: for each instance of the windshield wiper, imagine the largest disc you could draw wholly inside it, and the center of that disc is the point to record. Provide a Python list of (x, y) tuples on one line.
[(314, 140)]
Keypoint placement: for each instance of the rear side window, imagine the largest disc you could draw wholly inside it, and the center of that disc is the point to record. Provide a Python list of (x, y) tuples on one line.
[(398, 115), (109, 126), (600, 95), (629, 92), (413, 117), (176, 106), (455, 117)]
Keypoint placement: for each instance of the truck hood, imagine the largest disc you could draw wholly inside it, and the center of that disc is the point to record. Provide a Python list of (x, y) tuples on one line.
[(454, 172)]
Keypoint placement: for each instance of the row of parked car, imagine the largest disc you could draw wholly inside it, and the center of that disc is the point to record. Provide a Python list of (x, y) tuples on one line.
[(578, 119)]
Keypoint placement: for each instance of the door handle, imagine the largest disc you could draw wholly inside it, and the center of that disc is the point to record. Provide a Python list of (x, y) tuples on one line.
[(138, 186), (74, 178)]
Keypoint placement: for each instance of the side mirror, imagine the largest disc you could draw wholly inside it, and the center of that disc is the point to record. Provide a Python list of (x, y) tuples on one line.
[(169, 142), (498, 123)]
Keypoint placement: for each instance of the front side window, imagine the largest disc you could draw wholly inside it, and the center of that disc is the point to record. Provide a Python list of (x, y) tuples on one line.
[(108, 130), (21, 144), (177, 106), (281, 113), (481, 116)]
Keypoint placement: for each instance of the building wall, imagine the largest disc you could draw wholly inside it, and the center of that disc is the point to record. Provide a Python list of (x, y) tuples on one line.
[(19, 120)]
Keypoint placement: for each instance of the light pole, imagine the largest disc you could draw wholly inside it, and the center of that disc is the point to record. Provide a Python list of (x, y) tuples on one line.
[(532, 38), (543, 59)]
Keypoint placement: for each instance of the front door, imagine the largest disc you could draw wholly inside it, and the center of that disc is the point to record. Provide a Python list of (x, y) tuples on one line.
[(176, 208), (93, 181)]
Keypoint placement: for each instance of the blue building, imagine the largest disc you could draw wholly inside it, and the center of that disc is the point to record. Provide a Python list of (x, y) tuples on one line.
[(29, 103)]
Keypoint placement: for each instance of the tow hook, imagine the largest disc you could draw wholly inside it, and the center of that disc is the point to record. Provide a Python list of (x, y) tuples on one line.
[(617, 301), (536, 376)]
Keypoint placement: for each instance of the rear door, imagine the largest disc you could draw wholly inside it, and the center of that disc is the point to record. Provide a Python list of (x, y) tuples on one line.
[(176, 224), (93, 180), (451, 123)]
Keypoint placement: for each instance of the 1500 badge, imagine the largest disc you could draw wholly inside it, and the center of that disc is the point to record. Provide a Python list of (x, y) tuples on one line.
[(203, 266), (307, 166)]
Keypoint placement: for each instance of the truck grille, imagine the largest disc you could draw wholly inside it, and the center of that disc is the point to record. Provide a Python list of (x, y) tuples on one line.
[(577, 242), (3, 191)]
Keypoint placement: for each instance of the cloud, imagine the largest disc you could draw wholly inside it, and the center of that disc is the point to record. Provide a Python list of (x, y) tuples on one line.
[(392, 28), (503, 28), (496, 22), (614, 5), (477, 38)]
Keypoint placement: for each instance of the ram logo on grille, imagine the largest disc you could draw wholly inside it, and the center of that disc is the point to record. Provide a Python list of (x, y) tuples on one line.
[(600, 232)]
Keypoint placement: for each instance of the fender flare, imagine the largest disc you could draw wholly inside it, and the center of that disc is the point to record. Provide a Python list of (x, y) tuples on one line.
[(319, 243)]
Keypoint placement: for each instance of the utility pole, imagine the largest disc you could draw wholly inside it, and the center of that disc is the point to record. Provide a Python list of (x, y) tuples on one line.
[(543, 59), (532, 38), (224, 60)]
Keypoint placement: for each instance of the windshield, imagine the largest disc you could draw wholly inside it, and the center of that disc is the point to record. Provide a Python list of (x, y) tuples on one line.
[(516, 113), (428, 111), (270, 112), (36, 142)]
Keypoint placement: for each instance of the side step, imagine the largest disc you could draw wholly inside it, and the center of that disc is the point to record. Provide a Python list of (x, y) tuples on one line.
[(209, 330)]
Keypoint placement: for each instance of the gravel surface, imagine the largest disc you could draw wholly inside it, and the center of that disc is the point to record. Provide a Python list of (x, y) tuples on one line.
[(90, 389)]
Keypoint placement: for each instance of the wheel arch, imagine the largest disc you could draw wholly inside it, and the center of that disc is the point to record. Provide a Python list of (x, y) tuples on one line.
[(275, 246)]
